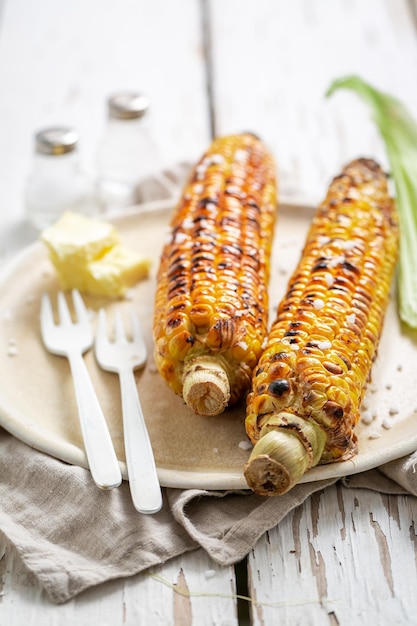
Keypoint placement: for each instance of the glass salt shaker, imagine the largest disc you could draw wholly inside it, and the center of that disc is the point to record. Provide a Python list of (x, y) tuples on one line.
[(57, 183), (128, 161)]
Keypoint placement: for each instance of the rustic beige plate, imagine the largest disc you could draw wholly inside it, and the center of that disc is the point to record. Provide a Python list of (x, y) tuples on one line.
[(36, 395)]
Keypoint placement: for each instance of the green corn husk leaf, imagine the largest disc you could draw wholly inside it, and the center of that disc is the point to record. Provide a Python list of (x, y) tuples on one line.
[(399, 132)]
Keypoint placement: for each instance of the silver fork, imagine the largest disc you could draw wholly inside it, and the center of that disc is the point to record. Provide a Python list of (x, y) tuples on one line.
[(123, 357), (72, 340)]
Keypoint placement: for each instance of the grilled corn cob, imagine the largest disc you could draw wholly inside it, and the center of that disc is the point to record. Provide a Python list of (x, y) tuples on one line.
[(308, 386), (211, 301)]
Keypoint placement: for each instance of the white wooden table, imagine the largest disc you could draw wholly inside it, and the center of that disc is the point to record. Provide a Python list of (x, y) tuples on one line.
[(345, 557)]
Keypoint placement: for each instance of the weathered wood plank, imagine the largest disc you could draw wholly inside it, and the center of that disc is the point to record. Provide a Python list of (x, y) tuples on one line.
[(185, 591), (22, 600), (347, 557), (196, 590), (272, 62)]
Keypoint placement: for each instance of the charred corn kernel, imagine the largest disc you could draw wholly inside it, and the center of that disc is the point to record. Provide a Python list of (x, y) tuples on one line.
[(320, 349), (211, 300)]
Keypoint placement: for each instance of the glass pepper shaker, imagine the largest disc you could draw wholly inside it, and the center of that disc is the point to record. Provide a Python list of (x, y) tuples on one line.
[(128, 158), (57, 183)]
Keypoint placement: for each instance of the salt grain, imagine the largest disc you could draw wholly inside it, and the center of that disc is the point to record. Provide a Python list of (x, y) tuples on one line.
[(216, 159), (6, 314), (374, 435), (354, 193), (245, 445), (318, 304), (366, 417), (201, 171), (324, 345), (351, 318), (12, 350), (348, 245), (344, 219), (209, 573), (337, 260), (215, 451), (329, 279), (393, 410), (322, 240), (386, 423), (180, 238), (235, 191), (187, 224), (241, 156)]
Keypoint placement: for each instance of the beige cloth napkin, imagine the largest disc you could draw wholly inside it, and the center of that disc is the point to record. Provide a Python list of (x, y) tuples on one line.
[(72, 535)]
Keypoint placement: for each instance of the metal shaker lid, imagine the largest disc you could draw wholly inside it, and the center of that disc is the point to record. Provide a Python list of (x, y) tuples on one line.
[(128, 105), (56, 140)]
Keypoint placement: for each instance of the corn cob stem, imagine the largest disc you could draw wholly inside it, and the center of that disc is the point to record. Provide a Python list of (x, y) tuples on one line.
[(206, 388), (287, 448)]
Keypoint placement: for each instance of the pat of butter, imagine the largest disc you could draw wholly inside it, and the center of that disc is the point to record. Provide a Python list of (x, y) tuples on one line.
[(87, 255), (78, 239)]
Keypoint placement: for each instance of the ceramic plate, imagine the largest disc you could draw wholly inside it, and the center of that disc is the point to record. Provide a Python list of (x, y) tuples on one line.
[(37, 402)]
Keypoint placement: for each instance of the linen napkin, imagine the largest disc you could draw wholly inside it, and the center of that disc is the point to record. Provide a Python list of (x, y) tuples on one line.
[(73, 536)]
